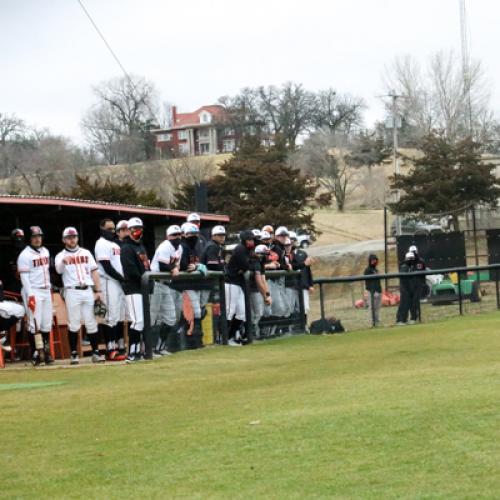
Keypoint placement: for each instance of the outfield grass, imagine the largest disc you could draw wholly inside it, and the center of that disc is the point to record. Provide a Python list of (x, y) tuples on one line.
[(406, 412)]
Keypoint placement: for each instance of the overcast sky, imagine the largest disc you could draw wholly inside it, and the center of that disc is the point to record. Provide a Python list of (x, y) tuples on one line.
[(195, 51)]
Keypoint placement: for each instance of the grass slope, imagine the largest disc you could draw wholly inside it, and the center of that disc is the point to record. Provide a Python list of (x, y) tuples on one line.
[(402, 412)]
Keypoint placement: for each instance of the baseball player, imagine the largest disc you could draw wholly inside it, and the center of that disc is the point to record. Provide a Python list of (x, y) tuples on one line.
[(195, 219), (10, 314), (192, 250), (107, 254), (302, 262), (166, 304), (33, 265), (238, 265), (122, 232), (214, 254), (135, 263), (79, 275), (259, 291), (8, 272), (277, 286)]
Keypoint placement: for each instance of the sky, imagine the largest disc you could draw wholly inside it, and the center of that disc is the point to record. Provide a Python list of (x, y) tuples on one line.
[(198, 50)]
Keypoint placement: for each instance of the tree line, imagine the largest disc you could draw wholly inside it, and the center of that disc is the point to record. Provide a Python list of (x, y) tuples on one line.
[(320, 138)]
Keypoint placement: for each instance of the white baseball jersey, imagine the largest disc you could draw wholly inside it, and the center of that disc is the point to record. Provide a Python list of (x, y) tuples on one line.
[(108, 250), (167, 254), (34, 264), (77, 270)]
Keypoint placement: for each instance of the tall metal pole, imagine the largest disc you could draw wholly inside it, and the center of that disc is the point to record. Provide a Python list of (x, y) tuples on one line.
[(394, 98)]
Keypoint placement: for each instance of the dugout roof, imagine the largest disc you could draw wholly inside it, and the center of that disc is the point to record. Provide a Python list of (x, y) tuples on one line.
[(53, 214)]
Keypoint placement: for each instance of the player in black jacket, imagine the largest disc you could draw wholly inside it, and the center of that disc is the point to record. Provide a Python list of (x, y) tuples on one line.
[(409, 291), (192, 250), (213, 255), (135, 263), (279, 306), (238, 265)]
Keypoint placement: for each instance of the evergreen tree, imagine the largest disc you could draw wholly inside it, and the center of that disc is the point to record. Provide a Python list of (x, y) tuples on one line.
[(447, 179), (257, 187), (109, 191)]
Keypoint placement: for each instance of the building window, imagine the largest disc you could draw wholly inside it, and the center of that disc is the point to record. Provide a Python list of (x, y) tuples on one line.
[(183, 134), (164, 137), (204, 148), (203, 133), (184, 149), (229, 131), (205, 117), (228, 145)]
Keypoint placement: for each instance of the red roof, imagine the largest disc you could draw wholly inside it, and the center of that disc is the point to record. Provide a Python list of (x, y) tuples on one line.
[(102, 205), (187, 119)]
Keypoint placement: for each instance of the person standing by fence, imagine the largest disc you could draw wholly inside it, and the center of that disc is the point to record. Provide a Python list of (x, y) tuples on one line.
[(374, 290)]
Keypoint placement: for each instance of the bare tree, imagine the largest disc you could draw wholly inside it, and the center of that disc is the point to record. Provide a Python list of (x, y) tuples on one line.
[(118, 125), (437, 97), (338, 112), (288, 109), (325, 156)]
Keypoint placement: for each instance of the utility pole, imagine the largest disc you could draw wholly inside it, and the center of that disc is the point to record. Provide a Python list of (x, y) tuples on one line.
[(394, 110), (466, 64)]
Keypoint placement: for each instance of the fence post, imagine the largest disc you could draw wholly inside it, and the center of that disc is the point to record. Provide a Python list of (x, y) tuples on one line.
[(222, 317), (248, 311), (321, 301), (148, 344), (460, 308), (302, 311), (497, 289), (386, 257), (372, 307)]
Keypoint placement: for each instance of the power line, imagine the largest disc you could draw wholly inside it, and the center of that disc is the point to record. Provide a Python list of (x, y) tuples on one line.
[(115, 57)]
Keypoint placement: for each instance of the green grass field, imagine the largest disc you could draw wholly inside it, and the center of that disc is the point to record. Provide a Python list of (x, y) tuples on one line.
[(408, 412)]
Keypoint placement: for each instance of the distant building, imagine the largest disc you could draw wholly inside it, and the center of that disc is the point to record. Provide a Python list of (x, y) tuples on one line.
[(201, 132)]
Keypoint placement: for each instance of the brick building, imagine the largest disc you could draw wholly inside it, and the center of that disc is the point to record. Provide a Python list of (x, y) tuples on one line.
[(198, 133)]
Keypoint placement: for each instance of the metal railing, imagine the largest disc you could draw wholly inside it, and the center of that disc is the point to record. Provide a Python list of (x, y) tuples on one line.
[(460, 271), (215, 280)]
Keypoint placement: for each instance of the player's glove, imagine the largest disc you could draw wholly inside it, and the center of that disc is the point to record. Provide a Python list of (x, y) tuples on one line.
[(32, 303), (100, 308), (202, 268)]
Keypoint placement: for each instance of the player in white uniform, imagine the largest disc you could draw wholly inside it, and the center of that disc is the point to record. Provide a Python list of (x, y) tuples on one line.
[(33, 265), (166, 303), (107, 254), (79, 274)]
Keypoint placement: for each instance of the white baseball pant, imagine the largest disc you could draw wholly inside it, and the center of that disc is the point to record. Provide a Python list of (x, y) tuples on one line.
[(41, 319), (166, 305), (235, 302), (195, 297), (9, 308), (135, 311), (257, 305), (113, 297), (80, 309), (305, 294)]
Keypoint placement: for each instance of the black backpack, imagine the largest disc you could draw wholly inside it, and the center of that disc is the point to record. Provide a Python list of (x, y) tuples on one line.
[(327, 325)]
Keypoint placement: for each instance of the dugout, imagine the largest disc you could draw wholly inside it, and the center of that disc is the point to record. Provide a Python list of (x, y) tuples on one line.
[(53, 214)]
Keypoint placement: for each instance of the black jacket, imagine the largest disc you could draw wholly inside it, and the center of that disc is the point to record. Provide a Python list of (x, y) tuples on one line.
[(411, 283), (372, 285), (190, 254), (135, 263), (299, 264), (279, 249), (213, 256), (238, 265)]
